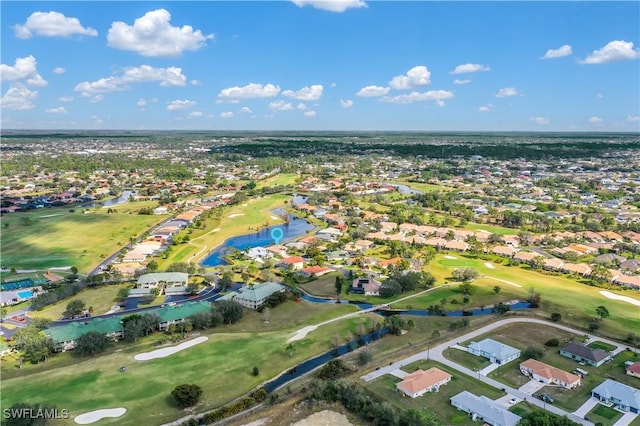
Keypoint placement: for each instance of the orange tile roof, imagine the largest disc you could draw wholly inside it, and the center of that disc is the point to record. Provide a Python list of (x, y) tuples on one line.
[(549, 372), (419, 380)]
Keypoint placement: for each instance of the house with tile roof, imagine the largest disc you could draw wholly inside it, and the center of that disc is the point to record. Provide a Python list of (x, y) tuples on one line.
[(633, 369), (368, 286), (483, 409), (494, 351), (419, 382), (548, 374), (582, 353), (620, 396)]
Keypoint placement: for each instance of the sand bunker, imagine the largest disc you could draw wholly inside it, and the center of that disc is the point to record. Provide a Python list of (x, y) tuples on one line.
[(164, 352), (489, 265), (235, 215), (324, 418), (446, 256), (613, 296), (94, 416)]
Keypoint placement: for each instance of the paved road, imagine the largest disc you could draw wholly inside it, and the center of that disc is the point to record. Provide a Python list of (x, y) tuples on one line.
[(436, 354)]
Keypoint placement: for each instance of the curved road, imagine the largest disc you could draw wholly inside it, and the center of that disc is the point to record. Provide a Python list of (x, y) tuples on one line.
[(435, 354)]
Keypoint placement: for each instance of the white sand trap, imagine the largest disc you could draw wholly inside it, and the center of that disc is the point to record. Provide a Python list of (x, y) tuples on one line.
[(216, 230), (94, 416), (235, 215), (614, 296), (302, 333), (446, 256), (489, 265), (245, 205), (52, 215), (164, 352), (274, 217)]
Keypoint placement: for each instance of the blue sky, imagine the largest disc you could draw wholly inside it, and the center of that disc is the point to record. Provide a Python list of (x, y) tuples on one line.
[(321, 65)]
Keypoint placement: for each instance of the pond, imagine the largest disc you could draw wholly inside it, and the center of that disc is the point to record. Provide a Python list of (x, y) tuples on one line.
[(295, 228), (120, 200), (404, 189)]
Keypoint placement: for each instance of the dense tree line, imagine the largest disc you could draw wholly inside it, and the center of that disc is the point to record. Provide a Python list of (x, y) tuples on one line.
[(51, 297), (405, 282)]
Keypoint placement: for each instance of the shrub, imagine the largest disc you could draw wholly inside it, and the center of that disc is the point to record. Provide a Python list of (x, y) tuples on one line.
[(552, 343)]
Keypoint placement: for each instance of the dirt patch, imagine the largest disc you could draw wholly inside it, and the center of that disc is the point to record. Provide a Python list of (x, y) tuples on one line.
[(324, 418)]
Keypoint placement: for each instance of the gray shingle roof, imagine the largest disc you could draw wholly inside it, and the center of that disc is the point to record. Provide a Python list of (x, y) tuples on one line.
[(625, 394), (485, 408)]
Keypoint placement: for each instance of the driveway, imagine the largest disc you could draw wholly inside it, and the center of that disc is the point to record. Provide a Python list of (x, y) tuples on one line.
[(626, 419), (531, 387), (586, 407)]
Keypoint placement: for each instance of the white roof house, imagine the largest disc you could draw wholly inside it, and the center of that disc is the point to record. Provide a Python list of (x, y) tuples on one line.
[(254, 296), (163, 279), (494, 351), (623, 397), (484, 409)]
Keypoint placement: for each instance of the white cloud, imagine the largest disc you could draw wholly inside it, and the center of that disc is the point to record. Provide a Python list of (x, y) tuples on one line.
[(152, 35), (280, 106), (633, 118), (196, 82), (333, 84), (371, 91), (24, 69), (142, 102), (331, 5), (195, 114), (348, 103), (564, 50), (168, 77), (432, 95), (301, 106), (308, 93), (246, 110), (485, 108), (65, 99), (59, 70), (250, 91), (617, 50), (309, 113), (96, 119), (18, 97), (599, 96), (51, 24), (459, 81), (415, 77), (180, 105), (506, 92), (469, 68), (540, 120), (59, 110), (226, 114), (595, 120)]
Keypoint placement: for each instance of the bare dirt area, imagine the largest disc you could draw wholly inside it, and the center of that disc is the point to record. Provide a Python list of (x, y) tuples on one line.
[(295, 413)]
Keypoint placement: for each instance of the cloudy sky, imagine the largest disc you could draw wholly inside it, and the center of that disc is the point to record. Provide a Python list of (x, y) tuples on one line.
[(321, 65)]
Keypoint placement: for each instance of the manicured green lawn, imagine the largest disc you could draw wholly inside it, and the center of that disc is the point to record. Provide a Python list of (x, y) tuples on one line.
[(424, 187), (494, 229), (466, 359), (100, 298), (605, 415), (435, 402), (324, 286), (459, 263), (222, 366), (279, 179), (601, 345), (52, 237)]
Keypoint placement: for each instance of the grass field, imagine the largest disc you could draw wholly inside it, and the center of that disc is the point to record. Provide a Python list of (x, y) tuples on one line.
[(424, 187), (221, 366), (473, 362), (101, 299), (601, 345), (604, 415), (41, 239), (279, 179), (518, 281), (436, 402)]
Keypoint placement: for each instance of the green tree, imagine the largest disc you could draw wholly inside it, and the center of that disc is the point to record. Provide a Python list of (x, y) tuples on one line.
[(256, 371), (602, 311), (533, 352), (465, 274), (91, 343), (75, 307), (186, 395), (226, 281), (231, 311), (338, 285), (556, 317), (123, 293), (3, 313), (496, 289)]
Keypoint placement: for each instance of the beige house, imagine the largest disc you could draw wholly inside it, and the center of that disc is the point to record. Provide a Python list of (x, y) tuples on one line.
[(420, 382), (547, 374)]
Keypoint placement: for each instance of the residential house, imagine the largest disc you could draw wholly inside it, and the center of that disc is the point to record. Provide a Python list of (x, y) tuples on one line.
[(582, 353), (419, 382), (553, 264), (525, 256), (620, 396), (318, 271), (483, 409), (494, 351), (548, 374), (255, 295), (365, 285), (576, 268), (66, 337), (293, 263), (456, 245), (329, 234), (631, 281), (633, 369), (608, 259), (337, 255), (632, 265), (504, 251)]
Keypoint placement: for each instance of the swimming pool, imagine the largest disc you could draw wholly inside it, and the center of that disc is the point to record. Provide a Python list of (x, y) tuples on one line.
[(27, 294)]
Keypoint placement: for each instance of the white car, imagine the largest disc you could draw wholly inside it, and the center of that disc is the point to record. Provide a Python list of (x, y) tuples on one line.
[(513, 400)]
